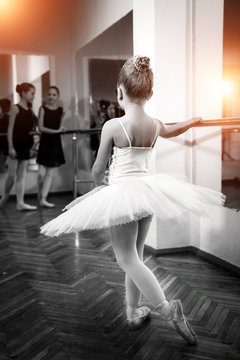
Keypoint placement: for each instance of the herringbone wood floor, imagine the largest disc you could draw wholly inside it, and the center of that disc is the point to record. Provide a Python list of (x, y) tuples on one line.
[(63, 298)]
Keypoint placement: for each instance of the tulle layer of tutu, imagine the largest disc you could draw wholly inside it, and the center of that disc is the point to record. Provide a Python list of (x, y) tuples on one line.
[(134, 198)]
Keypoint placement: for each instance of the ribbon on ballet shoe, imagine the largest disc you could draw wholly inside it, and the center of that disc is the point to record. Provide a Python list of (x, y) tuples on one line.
[(164, 310), (139, 317)]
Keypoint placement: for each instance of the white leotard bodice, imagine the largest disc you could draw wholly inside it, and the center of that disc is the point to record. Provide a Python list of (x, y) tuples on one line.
[(129, 160)]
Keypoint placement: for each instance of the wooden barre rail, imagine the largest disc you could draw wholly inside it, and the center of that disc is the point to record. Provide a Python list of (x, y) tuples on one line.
[(214, 122), (230, 121)]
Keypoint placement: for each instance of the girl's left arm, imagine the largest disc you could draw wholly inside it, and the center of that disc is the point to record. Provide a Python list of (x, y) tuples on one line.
[(99, 166)]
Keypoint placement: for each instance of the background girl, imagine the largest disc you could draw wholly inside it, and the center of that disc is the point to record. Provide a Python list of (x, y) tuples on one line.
[(20, 142), (50, 152)]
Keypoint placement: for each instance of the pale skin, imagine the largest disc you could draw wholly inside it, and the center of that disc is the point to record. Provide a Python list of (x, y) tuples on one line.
[(16, 167), (45, 175), (128, 239)]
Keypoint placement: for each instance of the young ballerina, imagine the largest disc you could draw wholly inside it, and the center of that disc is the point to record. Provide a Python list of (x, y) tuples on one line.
[(133, 195), (50, 152), (20, 142)]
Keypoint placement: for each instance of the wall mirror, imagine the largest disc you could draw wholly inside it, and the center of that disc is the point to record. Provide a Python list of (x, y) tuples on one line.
[(231, 104)]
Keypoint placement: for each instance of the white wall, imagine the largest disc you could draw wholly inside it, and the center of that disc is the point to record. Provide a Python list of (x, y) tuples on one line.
[(163, 39), (30, 68), (219, 237), (5, 75), (38, 65), (185, 46), (92, 17)]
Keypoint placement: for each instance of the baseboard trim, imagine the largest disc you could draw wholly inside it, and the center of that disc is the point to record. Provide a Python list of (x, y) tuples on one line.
[(55, 193), (213, 259)]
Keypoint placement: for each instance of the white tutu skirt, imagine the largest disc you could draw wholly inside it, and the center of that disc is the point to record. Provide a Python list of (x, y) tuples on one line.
[(134, 198)]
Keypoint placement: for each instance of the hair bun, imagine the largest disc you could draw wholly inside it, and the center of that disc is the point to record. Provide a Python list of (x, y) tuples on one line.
[(141, 63), (18, 88)]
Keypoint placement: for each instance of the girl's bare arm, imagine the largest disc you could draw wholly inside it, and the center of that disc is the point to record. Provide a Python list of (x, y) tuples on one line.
[(62, 120), (99, 166), (168, 131)]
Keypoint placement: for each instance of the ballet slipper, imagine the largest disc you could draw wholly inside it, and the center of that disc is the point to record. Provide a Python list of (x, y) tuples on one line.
[(177, 319), (136, 322), (45, 203), (26, 207)]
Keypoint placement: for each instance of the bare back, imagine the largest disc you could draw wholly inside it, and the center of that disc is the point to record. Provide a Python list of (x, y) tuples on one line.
[(140, 131)]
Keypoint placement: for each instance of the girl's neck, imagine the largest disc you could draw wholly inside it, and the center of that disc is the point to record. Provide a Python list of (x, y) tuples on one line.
[(23, 103), (52, 106), (132, 109)]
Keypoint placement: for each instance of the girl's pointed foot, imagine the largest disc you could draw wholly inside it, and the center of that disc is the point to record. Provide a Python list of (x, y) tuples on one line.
[(138, 318), (180, 322), (173, 312)]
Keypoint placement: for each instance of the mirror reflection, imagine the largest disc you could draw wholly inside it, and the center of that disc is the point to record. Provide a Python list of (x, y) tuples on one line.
[(231, 105)]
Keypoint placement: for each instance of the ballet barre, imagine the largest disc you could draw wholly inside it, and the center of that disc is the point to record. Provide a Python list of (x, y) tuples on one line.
[(213, 122), (76, 181), (216, 122), (228, 121)]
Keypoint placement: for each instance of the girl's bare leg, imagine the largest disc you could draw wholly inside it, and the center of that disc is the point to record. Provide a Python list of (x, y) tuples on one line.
[(20, 186), (12, 165), (41, 175), (47, 181)]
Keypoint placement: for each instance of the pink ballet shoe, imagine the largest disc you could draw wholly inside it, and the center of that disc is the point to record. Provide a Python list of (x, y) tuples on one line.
[(137, 322), (179, 321)]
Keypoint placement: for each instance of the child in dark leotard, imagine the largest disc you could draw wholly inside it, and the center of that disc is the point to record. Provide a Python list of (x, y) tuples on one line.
[(50, 153), (20, 142)]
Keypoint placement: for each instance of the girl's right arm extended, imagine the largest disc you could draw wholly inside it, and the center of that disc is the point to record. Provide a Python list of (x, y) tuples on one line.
[(180, 127)]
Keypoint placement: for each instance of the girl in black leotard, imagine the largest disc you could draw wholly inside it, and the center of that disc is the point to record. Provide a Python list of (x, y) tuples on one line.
[(20, 141), (50, 153)]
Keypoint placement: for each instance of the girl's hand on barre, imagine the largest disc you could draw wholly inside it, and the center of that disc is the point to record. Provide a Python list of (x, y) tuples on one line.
[(62, 129), (196, 120), (12, 153)]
